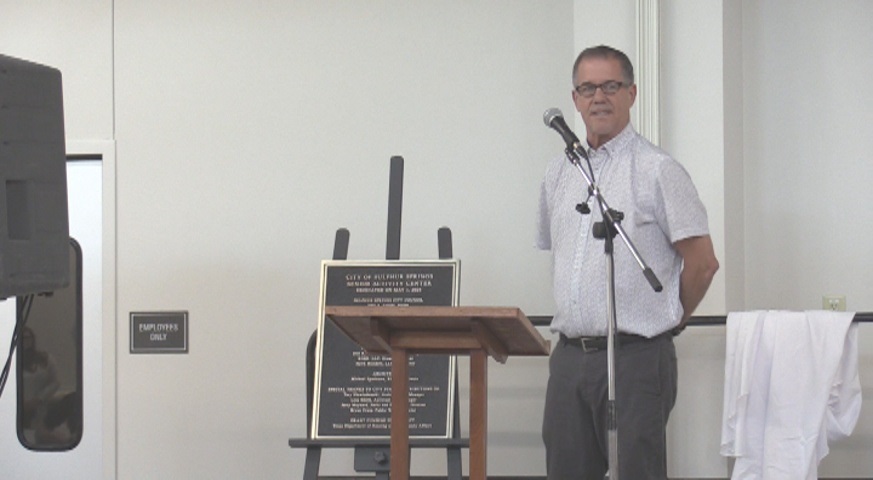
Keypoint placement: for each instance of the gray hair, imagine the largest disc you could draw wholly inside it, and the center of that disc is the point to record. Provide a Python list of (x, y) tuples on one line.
[(606, 52)]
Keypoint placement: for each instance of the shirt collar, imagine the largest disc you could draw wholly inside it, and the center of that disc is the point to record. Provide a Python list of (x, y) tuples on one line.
[(618, 143)]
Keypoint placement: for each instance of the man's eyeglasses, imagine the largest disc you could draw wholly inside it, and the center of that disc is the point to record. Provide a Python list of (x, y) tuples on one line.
[(610, 87)]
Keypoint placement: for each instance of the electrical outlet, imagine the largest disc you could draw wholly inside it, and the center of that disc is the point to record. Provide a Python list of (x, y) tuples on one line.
[(836, 303)]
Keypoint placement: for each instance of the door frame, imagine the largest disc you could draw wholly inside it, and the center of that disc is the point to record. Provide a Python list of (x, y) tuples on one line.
[(105, 150)]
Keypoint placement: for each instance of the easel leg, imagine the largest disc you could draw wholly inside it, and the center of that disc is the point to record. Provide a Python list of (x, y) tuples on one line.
[(313, 458), (478, 413), (453, 463), (399, 414)]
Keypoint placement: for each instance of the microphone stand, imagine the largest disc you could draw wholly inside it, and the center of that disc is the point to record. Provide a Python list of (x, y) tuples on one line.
[(607, 230)]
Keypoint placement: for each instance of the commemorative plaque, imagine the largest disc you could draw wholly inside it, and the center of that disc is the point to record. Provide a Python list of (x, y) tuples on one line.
[(352, 388)]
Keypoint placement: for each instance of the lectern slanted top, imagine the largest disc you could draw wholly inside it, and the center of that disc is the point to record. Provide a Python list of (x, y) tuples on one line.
[(502, 331)]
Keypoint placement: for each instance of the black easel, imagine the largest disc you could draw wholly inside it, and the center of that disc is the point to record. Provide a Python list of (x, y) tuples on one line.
[(373, 455)]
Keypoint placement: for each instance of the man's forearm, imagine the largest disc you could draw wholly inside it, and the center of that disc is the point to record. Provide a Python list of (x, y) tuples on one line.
[(692, 288), (698, 270)]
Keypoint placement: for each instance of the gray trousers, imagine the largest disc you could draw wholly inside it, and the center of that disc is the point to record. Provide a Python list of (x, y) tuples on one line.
[(574, 421)]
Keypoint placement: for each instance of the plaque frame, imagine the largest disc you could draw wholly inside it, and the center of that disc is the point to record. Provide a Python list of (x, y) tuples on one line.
[(450, 298)]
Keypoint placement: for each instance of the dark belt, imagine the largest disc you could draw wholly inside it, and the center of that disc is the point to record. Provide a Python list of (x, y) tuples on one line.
[(595, 344)]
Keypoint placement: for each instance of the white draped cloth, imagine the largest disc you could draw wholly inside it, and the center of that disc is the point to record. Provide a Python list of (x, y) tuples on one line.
[(791, 385)]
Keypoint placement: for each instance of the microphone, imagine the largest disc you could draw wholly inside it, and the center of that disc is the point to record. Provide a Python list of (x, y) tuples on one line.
[(554, 119)]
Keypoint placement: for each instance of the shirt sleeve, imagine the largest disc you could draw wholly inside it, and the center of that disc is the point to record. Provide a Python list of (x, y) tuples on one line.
[(544, 232), (682, 214)]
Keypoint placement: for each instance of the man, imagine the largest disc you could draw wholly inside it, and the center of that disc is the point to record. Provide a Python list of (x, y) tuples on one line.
[(666, 220)]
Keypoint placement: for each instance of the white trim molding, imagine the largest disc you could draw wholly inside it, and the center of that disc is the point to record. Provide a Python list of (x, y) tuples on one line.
[(648, 69)]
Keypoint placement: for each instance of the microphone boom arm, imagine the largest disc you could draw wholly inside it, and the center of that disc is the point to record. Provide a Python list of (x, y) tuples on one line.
[(573, 154)]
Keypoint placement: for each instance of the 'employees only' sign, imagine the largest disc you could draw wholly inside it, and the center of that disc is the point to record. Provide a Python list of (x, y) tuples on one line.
[(159, 332)]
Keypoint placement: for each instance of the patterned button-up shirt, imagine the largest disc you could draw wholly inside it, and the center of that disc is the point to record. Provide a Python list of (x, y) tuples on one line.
[(660, 206)]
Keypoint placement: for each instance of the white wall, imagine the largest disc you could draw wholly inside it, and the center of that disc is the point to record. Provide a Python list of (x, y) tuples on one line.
[(248, 133), (808, 146)]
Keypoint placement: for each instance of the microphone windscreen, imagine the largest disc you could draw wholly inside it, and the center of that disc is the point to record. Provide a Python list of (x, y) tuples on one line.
[(550, 115)]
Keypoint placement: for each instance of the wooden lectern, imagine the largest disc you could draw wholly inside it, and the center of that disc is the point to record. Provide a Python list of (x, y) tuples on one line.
[(476, 331)]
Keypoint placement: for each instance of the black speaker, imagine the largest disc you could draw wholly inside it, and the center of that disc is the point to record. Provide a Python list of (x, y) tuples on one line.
[(34, 223)]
